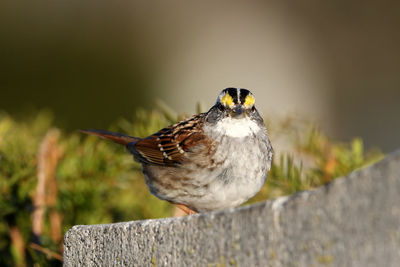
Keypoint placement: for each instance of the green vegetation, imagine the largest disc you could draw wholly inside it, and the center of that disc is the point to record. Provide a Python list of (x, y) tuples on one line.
[(51, 180)]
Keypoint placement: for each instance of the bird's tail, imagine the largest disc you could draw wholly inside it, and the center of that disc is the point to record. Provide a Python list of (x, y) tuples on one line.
[(115, 137)]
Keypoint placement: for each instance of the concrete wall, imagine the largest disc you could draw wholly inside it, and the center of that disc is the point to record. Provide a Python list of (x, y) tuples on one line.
[(353, 221)]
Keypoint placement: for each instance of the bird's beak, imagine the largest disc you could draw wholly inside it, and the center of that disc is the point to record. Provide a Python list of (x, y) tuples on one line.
[(237, 112)]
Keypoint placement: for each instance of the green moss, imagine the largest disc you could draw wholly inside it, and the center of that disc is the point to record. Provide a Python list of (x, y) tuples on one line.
[(233, 262), (305, 247), (153, 262), (235, 245), (325, 259), (272, 255)]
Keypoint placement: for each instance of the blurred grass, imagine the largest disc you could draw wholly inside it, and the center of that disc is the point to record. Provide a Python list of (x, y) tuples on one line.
[(97, 182)]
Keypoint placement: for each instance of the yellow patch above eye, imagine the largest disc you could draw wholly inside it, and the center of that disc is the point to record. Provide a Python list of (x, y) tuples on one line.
[(249, 101), (227, 100)]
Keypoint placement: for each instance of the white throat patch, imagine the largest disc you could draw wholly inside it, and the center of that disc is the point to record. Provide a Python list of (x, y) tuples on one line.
[(237, 127)]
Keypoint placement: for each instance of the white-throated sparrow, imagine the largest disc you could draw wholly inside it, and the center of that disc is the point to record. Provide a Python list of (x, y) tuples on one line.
[(213, 160)]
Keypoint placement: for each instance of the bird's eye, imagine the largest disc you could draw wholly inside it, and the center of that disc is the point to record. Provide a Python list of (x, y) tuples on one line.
[(221, 107), (253, 109)]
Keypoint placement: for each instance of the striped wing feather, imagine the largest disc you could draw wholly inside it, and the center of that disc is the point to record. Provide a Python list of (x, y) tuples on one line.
[(168, 146)]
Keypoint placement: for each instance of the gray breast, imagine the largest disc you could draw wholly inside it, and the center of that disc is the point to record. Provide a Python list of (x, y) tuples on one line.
[(246, 161)]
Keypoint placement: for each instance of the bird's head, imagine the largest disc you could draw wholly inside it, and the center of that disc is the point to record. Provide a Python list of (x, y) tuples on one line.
[(236, 103)]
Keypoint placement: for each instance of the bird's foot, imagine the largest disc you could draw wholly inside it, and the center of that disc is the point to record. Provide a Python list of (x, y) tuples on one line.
[(183, 210)]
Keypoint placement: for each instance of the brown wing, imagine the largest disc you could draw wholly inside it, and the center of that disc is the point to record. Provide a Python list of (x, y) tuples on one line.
[(168, 146)]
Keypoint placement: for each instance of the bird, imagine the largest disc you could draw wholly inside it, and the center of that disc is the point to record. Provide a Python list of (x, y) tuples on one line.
[(213, 160)]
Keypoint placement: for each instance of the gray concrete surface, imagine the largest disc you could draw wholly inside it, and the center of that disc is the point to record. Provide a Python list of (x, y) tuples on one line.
[(351, 222)]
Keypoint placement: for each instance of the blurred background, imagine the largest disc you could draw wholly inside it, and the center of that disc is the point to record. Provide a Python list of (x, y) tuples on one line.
[(336, 62), (323, 72)]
